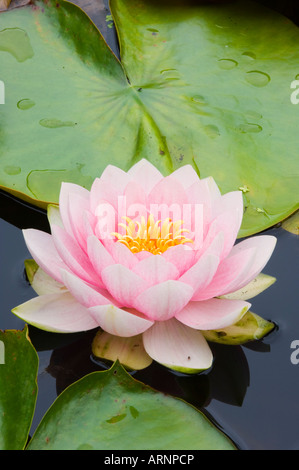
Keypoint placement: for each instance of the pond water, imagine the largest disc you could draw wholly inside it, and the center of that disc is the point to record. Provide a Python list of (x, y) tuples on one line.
[(252, 391)]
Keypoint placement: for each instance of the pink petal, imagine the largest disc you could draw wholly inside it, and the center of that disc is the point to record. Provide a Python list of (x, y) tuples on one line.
[(213, 247), (229, 225), (145, 174), (42, 249), (119, 322), (186, 175), (135, 198), (176, 346), (201, 274), (57, 313), (213, 313), (123, 284), (231, 202), (98, 255), (155, 269), (264, 246), (122, 255), (73, 256), (106, 224), (168, 192), (108, 187), (206, 193), (231, 272), (78, 207), (133, 211), (65, 191), (163, 301), (88, 226), (212, 187), (143, 255), (181, 256), (85, 294)]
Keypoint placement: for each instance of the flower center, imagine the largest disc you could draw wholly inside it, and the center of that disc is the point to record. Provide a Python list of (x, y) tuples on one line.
[(151, 235)]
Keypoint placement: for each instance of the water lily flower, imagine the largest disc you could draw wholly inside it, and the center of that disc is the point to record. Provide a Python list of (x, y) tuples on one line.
[(147, 256)]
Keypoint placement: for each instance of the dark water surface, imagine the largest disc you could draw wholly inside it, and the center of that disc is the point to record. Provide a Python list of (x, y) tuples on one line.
[(252, 392)]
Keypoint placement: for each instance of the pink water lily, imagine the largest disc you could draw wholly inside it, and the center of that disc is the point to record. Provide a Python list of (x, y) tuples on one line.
[(141, 253)]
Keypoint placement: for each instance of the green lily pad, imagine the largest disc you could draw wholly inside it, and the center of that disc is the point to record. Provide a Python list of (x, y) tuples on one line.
[(116, 412), (200, 84), (251, 327), (18, 388)]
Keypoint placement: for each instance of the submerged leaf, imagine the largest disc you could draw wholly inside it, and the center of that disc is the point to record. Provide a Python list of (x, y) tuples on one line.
[(254, 288), (251, 327), (291, 224), (195, 85), (129, 351), (117, 412)]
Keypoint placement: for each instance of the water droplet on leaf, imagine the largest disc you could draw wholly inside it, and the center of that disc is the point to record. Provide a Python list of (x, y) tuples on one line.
[(257, 78), (134, 412), (25, 104), (12, 170), (249, 55), (227, 64), (47, 183), (250, 128), (116, 419), (85, 447), (199, 99), (252, 115), (212, 131), (55, 123), (16, 41), (170, 74)]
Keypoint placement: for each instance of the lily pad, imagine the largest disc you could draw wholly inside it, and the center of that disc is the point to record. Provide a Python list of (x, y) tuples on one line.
[(117, 412), (196, 85), (251, 327), (18, 388)]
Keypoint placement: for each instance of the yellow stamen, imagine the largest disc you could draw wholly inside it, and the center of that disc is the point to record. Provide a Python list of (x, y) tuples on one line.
[(151, 236)]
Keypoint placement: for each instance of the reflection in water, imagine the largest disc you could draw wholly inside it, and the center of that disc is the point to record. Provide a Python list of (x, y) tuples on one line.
[(227, 381)]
